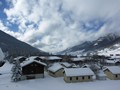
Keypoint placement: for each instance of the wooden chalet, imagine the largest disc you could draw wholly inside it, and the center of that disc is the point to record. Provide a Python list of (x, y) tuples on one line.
[(32, 69)]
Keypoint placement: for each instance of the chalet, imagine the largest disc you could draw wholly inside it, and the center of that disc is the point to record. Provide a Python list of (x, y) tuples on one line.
[(20, 59), (56, 70), (112, 72), (32, 69), (78, 75), (66, 65)]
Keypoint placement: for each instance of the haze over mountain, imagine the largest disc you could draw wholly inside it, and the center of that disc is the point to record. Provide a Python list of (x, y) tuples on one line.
[(101, 43), (15, 47)]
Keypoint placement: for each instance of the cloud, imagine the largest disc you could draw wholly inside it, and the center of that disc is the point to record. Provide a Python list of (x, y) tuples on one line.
[(55, 25), (0, 3)]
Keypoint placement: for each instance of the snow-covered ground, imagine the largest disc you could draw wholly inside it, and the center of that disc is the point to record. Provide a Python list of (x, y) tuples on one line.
[(50, 83)]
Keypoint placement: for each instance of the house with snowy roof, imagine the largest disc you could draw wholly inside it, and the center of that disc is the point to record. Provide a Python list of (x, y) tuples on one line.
[(78, 75), (112, 72), (32, 69), (56, 70)]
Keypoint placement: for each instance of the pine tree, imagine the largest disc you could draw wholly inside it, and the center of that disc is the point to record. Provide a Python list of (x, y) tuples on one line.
[(16, 71)]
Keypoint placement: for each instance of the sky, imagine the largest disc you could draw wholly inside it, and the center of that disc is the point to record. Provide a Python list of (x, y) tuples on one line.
[(55, 25)]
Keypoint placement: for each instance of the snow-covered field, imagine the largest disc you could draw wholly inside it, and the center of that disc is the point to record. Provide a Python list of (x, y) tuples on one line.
[(50, 83)]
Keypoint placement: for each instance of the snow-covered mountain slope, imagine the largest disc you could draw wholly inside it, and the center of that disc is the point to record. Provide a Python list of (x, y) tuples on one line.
[(15, 47), (101, 43)]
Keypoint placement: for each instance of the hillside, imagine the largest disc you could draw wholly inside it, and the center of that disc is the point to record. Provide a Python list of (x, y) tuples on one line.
[(107, 41), (15, 47)]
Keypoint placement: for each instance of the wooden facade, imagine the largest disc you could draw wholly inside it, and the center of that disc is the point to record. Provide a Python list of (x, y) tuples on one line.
[(32, 70)]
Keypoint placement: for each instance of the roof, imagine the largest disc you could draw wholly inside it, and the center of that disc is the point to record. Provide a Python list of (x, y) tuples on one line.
[(29, 61), (112, 61), (78, 59), (53, 58), (33, 57), (55, 67), (78, 72), (114, 69), (66, 64), (17, 58)]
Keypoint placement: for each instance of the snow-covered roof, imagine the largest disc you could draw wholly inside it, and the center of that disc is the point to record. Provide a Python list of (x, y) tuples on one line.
[(86, 65), (112, 61), (53, 58), (17, 58), (2, 56), (78, 59), (33, 57), (114, 69), (31, 60), (78, 71), (66, 64), (55, 67)]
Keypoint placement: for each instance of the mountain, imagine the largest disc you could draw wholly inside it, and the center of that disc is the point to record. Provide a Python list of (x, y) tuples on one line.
[(107, 41), (15, 47)]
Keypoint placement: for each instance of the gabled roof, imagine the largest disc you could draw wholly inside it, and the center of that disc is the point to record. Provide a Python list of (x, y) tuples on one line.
[(17, 58), (113, 69), (78, 72), (66, 64), (31, 60), (55, 67), (78, 59), (53, 58)]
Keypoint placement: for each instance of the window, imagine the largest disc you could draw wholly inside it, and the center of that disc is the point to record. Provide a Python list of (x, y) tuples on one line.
[(76, 78), (83, 77), (70, 78), (116, 76), (63, 72), (88, 77)]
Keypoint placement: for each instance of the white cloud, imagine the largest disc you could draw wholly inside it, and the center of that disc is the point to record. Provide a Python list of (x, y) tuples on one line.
[(55, 25)]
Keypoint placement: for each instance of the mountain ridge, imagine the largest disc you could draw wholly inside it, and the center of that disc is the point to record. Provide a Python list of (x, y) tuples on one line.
[(16, 47), (91, 46)]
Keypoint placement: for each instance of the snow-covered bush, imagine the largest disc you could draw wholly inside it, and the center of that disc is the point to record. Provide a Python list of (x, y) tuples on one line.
[(2, 56), (16, 72)]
